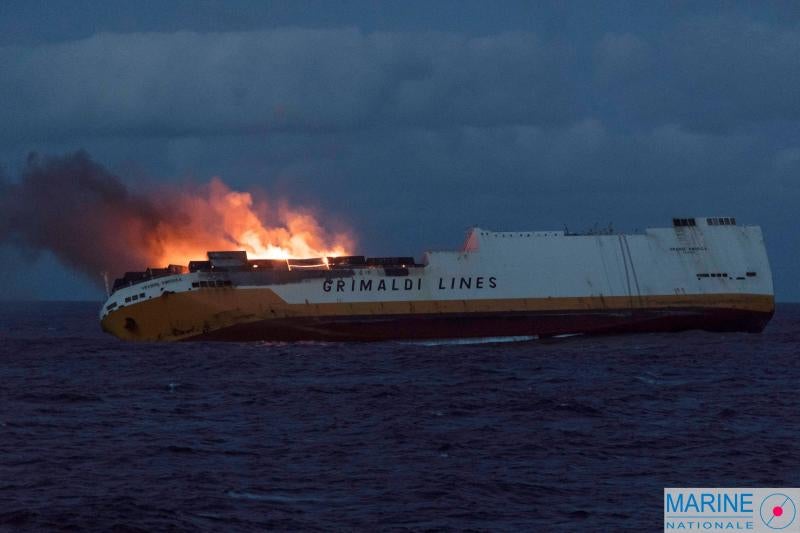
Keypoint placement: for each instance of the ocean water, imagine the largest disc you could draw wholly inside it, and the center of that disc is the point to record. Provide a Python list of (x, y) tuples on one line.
[(570, 434)]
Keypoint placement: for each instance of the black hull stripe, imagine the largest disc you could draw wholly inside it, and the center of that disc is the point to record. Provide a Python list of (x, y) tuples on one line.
[(466, 325)]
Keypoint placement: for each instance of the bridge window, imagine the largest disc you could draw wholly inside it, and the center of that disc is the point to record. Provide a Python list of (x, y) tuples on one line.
[(682, 222)]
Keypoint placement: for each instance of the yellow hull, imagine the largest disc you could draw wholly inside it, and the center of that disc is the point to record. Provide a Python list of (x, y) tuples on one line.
[(259, 313)]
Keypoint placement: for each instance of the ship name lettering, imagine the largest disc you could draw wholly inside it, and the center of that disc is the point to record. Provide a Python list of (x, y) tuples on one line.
[(478, 282), (408, 284), (688, 249)]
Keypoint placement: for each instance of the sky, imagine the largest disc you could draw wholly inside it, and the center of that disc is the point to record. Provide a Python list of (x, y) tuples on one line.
[(412, 121)]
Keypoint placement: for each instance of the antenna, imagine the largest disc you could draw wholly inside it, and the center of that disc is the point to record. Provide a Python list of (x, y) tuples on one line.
[(105, 282)]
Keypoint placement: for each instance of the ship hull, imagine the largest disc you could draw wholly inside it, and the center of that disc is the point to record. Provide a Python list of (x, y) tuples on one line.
[(539, 325), (260, 315)]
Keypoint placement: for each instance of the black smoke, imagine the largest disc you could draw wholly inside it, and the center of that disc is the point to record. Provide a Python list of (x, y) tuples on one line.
[(82, 213)]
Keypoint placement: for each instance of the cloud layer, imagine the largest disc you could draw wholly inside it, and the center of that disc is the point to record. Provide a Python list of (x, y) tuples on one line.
[(280, 80), (701, 74)]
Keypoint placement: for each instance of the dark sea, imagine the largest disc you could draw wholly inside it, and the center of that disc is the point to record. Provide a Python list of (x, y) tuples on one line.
[(581, 433)]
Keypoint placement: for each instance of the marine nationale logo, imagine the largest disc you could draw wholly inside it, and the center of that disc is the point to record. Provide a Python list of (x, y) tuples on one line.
[(731, 509)]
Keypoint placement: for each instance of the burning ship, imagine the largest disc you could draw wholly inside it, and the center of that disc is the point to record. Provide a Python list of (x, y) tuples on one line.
[(700, 273)]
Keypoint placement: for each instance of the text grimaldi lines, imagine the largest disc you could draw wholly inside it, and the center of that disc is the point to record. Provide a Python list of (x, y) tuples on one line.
[(408, 284)]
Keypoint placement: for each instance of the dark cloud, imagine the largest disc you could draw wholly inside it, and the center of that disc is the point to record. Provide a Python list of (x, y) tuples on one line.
[(280, 80), (707, 73), (718, 73)]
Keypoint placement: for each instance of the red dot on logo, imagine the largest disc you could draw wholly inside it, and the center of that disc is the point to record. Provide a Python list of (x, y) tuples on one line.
[(777, 510)]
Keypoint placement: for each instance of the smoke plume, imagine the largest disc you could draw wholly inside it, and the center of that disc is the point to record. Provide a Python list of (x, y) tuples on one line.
[(86, 216)]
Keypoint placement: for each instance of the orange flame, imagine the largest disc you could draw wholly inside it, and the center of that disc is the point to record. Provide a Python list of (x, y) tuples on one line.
[(214, 217)]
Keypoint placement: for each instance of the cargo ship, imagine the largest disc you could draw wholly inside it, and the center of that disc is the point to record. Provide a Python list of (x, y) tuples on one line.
[(699, 273)]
